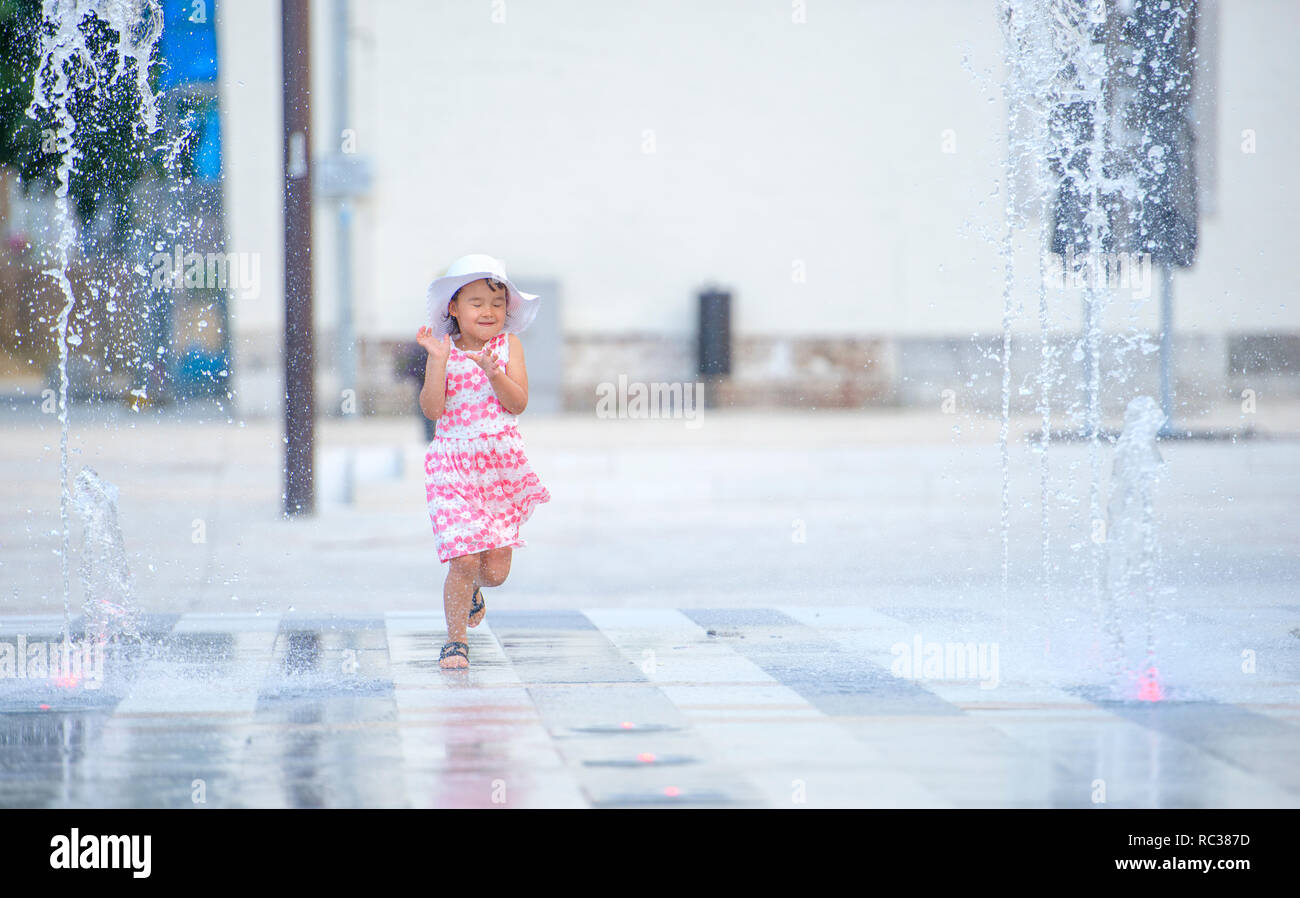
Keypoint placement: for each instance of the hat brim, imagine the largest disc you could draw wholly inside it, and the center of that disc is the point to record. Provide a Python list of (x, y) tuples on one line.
[(521, 307)]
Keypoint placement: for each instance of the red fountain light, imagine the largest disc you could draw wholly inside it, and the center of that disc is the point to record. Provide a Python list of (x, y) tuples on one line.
[(1149, 688)]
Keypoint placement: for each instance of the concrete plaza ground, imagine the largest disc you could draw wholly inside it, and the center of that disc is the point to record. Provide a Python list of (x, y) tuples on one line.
[(702, 616)]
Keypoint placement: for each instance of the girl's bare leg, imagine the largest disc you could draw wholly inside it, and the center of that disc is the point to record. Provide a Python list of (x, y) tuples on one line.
[(457, 592), (494, 566)]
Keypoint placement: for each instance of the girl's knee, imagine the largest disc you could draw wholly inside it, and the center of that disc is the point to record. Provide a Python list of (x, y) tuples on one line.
[(494, 576), (463, 566), (496, 566), (496, 557)]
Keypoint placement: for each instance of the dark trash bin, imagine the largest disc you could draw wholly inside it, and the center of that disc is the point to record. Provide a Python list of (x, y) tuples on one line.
[(715, 333)]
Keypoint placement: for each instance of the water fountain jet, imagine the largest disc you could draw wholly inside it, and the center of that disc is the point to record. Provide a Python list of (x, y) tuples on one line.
[(69, 62)]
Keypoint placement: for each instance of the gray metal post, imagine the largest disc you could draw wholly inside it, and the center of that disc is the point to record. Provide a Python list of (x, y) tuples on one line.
[(299, 355), (346, 338), (1167, 347)]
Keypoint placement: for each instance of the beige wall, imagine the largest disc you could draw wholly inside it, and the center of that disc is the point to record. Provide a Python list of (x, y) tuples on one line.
[(775, 145)]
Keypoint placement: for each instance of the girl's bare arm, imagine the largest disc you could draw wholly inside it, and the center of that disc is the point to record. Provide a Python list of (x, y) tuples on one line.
[(433, 395), (511, 382)]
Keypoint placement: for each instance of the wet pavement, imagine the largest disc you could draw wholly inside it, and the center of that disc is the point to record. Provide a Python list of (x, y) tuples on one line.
[(711, 617), (767, 707)]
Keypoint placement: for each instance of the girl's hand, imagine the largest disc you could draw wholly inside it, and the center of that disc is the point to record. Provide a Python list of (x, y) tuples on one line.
[(439, 350), (487, 361)]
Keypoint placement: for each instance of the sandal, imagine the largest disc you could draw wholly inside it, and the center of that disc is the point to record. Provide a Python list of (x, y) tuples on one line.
[(476, 607), (454, 648)]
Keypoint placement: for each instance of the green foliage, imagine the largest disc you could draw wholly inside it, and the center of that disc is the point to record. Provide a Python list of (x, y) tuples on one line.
[(20, 138), (110, 140)]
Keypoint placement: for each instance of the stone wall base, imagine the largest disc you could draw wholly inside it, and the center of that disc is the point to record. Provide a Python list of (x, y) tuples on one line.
[(850, 372)]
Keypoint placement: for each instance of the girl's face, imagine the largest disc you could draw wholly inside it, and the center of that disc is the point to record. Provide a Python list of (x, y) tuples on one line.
[(479, 310)]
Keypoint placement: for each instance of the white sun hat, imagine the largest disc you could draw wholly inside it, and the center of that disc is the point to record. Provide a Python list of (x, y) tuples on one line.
[(521, 308)]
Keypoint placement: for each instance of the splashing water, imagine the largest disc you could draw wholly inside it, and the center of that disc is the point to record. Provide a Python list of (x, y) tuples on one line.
[(66, 65), (1066, 93), (1057, 88), (107, 608), (1133, 559)]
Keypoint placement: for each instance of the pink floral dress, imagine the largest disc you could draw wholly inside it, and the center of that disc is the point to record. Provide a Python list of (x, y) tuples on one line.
[(478, 484)]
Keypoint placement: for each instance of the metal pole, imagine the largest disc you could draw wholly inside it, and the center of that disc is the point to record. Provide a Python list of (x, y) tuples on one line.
[(1089, 301), (299, 358), (1167, 347), (346, 338)]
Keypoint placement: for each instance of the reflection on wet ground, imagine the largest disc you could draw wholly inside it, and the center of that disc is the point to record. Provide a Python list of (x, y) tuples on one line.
[(769, 707)]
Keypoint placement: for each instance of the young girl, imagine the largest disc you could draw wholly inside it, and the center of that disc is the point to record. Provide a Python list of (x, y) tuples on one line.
[(478, 483)]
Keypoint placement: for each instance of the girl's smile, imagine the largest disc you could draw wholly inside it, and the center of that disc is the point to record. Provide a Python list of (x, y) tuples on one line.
[(479, 309)]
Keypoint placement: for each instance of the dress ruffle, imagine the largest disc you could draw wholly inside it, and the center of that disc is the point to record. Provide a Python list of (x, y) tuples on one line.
[(479, 490)]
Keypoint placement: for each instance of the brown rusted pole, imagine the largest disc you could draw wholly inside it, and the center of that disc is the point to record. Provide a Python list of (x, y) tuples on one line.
[(299, 355)]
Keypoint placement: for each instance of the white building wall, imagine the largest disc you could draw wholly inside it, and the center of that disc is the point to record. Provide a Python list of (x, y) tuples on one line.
[(635, 150), (1243, 277), (249, 73)]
